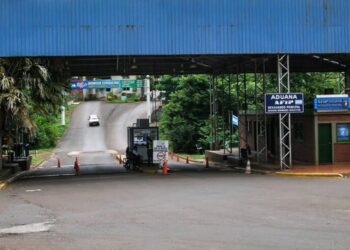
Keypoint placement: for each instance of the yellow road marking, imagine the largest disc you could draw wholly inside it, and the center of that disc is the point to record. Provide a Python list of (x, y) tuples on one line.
[(310, 174)]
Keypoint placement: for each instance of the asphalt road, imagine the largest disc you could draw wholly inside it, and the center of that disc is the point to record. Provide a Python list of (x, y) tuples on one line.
[(97, 146), (185, 210)]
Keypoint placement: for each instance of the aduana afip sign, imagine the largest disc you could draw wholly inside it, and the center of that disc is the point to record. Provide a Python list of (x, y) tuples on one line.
[(276, 103)]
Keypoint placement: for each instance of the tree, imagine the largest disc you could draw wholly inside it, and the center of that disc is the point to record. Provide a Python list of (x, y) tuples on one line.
[(25, 82), (312, 84), (186, 112), (168, 84)]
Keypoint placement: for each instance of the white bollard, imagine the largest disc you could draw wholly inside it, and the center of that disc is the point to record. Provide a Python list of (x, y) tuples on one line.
[(63, 116), (247, 168)]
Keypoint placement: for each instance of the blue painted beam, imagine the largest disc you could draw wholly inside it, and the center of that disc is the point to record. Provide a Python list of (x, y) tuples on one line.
[(168, 27)]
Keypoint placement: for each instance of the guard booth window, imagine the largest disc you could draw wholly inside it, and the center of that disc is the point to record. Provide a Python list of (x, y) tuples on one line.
[(298, 131)]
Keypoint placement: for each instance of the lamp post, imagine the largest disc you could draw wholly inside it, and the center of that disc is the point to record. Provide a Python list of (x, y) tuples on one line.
[(148, 93)]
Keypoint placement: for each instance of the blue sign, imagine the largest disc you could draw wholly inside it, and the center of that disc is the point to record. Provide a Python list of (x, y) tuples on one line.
[(79, 85), (234, 120), (106, 84), (96, 84), (329, 103), (284, 103)]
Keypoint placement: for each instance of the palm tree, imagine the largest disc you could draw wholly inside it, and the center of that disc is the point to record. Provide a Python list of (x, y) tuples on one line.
[(23, 82)]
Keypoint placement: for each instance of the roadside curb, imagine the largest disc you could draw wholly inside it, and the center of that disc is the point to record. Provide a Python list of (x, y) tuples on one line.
[(303, 174), (5, 183)]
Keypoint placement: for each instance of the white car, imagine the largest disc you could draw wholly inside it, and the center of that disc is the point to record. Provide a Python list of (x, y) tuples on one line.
[(94, 120)]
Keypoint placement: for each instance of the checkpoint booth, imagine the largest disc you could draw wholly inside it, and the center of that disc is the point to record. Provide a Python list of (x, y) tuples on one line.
[(140, 138), (318, 136)]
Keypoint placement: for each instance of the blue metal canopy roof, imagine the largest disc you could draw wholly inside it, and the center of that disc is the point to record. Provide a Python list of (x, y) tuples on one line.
[(173, 27)]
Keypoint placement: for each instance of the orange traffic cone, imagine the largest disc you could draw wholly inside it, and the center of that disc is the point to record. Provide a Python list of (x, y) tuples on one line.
[(58, 163), (77, 166), (165, 167)]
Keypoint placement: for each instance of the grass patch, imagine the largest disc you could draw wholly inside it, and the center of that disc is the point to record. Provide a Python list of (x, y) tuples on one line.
[(40, 151), (197, 157), (130, 98), (121, 101), (40, 155)]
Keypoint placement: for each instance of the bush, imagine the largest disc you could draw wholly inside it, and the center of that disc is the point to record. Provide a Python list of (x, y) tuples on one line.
[(185, 113), (49, 130), (110, 96), (182, 138)]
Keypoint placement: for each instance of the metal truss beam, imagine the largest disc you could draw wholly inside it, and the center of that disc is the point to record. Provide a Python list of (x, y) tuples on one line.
[(285, 118)]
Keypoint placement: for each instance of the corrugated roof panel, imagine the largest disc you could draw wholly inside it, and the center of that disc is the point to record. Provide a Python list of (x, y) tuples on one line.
[(164, 27)]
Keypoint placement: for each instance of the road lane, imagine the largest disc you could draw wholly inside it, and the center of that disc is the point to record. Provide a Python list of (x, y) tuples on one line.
[(96, 145), (119, 120)]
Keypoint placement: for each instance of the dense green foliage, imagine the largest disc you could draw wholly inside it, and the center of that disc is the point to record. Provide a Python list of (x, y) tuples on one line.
[(312, 84), (186, 112), (48, 129), (129, 97), (26, 90), (168, 84)]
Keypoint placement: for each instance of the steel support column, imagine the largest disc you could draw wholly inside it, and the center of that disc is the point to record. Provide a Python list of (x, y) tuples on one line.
[(260, 116), (285, 118), (223, 112), (230, 112), (347, 81), (241, 91), (213, 114)]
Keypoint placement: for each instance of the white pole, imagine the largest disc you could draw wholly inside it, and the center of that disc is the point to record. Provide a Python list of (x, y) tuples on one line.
[(63, 115), (148, 93)]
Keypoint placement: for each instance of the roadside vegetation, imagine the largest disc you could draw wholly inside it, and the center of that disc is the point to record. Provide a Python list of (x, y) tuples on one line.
[(40, 155), (124, 98), (28, 90), (49, 129), (48, 133), (196, 157)]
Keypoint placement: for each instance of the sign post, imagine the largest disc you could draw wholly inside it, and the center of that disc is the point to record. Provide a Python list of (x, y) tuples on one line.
[(160, 151), (234, 120), (284, 104)]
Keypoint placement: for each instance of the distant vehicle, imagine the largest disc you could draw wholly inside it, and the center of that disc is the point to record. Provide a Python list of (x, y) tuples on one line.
[(94, 120)]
